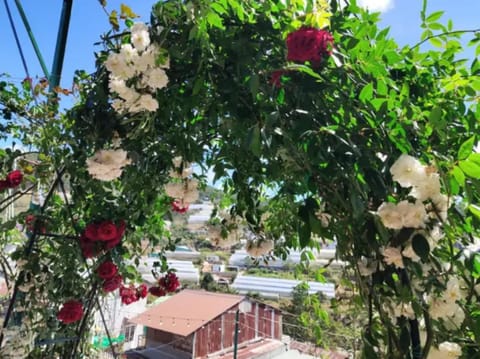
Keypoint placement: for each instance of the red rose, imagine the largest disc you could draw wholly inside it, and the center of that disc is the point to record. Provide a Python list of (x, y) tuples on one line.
[(128, 295), (179, 207), (107, 231), (72, 311), (113, 283), (308, 44), (276, 78), (142, 291), (14, 178), (88, 247), (120, 232), (91, 231), (157, 291), (107, 270), (3, 185), (170, 282)]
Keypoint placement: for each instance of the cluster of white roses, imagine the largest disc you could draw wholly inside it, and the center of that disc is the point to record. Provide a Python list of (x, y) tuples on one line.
[(134, 73), (446, 350), (446, 308), (107, 165), (424, 182), (429, 204), (182, 188)]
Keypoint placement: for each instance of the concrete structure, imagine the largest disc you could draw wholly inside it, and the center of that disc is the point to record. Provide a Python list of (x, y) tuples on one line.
[(200, 324)]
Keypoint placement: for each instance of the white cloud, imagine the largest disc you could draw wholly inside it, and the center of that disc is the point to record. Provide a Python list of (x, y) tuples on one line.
[(376, 5)]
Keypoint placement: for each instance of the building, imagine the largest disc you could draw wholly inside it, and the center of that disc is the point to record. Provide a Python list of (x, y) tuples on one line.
[(123, 332), (275, 287), (198, 324)]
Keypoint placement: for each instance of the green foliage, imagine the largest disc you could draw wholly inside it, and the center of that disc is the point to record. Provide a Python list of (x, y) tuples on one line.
[(303, 161)]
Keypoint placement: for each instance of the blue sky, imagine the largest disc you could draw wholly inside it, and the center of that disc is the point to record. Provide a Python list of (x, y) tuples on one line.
[(89, 21)]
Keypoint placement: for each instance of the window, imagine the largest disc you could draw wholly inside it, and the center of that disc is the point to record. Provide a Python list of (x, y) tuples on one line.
[(129, 332)]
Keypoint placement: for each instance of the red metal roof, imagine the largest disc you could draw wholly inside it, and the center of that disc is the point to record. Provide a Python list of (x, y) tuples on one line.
[(187, 311)]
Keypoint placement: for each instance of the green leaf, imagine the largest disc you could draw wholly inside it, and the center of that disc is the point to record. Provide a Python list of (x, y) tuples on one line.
[(366, 93), (476, 266), (420, 246), (434, 16), (113, 19), (215, 20), (475, 210), (435, 41), (304, 234), (466, 148), (435, 118), (253, 84), (458, 175), (254, 140), (126, 12), (474, 157), (470, 168)]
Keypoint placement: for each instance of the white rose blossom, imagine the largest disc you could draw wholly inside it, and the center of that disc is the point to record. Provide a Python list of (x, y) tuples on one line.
[(107, 165), (140, 39), (393, 256), (446, 350), (413, 214), (390, 216), (137, 63), (407, 171), (428, 188), (403, 214), (156, 78)]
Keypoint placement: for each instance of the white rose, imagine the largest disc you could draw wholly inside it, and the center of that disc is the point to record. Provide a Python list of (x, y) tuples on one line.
[(407, 171), (145, 61), (393, 256), (413, 214), (140, 40), (129, 54), (390, 216), (156, 78), (148, 103), (429, 187), (175, 190), (107, 165), (445, 350)]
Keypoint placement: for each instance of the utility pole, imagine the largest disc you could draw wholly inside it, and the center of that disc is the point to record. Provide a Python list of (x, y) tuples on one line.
[(235, 335)]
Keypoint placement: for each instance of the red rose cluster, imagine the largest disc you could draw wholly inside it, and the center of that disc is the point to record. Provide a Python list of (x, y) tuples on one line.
[(309, 44), (108, 271), (131, 294), (179, 207), (166, 284), (103, 235), (72, 311), (12, 180)]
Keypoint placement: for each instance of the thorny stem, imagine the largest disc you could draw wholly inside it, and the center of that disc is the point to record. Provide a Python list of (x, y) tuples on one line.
[(94, 283), (28, 250)]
